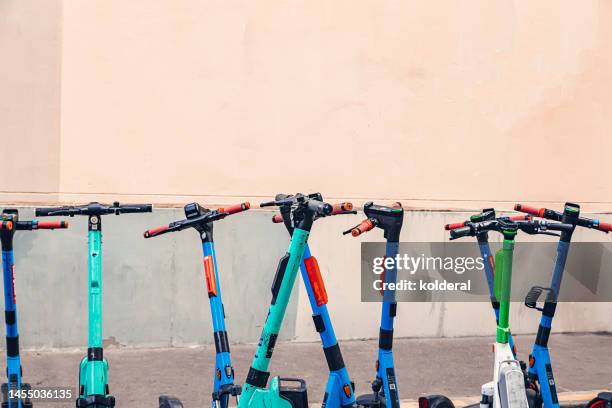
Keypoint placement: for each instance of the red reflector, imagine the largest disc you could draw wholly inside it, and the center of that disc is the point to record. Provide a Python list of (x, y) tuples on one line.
[(347, 390), (209, 272), (423, 402), (316, 281)]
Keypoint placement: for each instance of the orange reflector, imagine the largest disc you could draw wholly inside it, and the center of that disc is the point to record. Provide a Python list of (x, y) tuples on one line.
[(531, 361), (514, 349), (316, 281), (492, 348), (347, 390), (377, 365), (209, 272)]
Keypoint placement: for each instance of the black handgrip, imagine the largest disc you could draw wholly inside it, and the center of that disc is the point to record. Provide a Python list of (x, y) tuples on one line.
[(559, 227), (52, 211), (460, 232), (135, 208), (319, 207)]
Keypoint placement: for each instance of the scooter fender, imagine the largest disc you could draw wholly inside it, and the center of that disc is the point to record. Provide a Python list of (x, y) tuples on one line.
[(269, 397), (87, 385)]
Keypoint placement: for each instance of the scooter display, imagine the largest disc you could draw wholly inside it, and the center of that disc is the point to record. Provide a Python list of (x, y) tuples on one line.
[(339, 391), (540, 367), (282, 392), (9, 223), (202, 220), (93, 372), (507, 390)]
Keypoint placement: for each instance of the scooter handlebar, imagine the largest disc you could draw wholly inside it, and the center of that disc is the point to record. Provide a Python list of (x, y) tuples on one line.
[(538, 212), (449, 227), (342, 208), (157, 231), (50, 224), (51, 211), (464, 231), (236, 208), (320, 207), (134, 208), (604, 226), (454, 226), (364, 226)]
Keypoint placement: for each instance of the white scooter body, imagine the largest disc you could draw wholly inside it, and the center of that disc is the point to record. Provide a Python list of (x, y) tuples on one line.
[(508, 382)]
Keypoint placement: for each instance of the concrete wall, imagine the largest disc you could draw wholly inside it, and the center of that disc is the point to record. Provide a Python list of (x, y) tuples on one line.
[(154, 290), (443, 106)]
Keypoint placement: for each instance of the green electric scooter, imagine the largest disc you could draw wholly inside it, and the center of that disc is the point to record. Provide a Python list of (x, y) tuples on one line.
[(93, 373), (282, 392)]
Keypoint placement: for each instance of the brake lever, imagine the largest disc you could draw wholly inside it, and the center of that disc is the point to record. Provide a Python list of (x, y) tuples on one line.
[(348, 231)]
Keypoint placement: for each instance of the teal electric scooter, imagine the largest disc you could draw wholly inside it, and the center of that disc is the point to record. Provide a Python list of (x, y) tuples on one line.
[(93, 373), (282, 392)]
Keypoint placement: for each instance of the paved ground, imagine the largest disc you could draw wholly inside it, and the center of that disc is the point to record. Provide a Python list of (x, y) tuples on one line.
[(448, 366)]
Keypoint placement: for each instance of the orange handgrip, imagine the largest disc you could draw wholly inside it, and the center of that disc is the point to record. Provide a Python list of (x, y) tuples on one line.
[(6, 225), (209, 273), (316, 281), (365, 226), (52, 224), (236, 208), (456, 225), (155, 231), (341, 207), (538, 212)]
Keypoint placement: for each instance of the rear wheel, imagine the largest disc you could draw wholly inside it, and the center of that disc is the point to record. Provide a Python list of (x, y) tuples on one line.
[(167, 401), (435, 401), (598, 403)]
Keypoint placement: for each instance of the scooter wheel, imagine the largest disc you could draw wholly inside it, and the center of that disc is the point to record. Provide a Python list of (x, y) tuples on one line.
[(598, 403), (435, 401), (167, 401)]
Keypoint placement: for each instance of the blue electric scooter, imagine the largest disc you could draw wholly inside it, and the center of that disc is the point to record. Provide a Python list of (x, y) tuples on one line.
[(202, 219), (384, 387), (339, 391), (540, 367), (15, 394)]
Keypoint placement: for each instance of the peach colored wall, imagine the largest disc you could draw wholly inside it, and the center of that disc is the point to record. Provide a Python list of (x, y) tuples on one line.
[(439, 104), (29, 100)]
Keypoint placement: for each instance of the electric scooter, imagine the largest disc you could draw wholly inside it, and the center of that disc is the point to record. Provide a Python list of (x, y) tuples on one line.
[(485, 252), (282, 392), (540, 367), (339, 391), (93, 372), (384, 387), (507, 390), (202, 219), (13, 389)]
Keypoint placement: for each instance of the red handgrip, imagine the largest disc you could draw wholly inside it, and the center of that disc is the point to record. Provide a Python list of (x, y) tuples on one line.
[(538, 212), (6, 225), (365, 226), (277, 218), (52, 224), (233, 209), (521, 218), (456, 225), (604, 226), (341, 207), (155, 231)]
